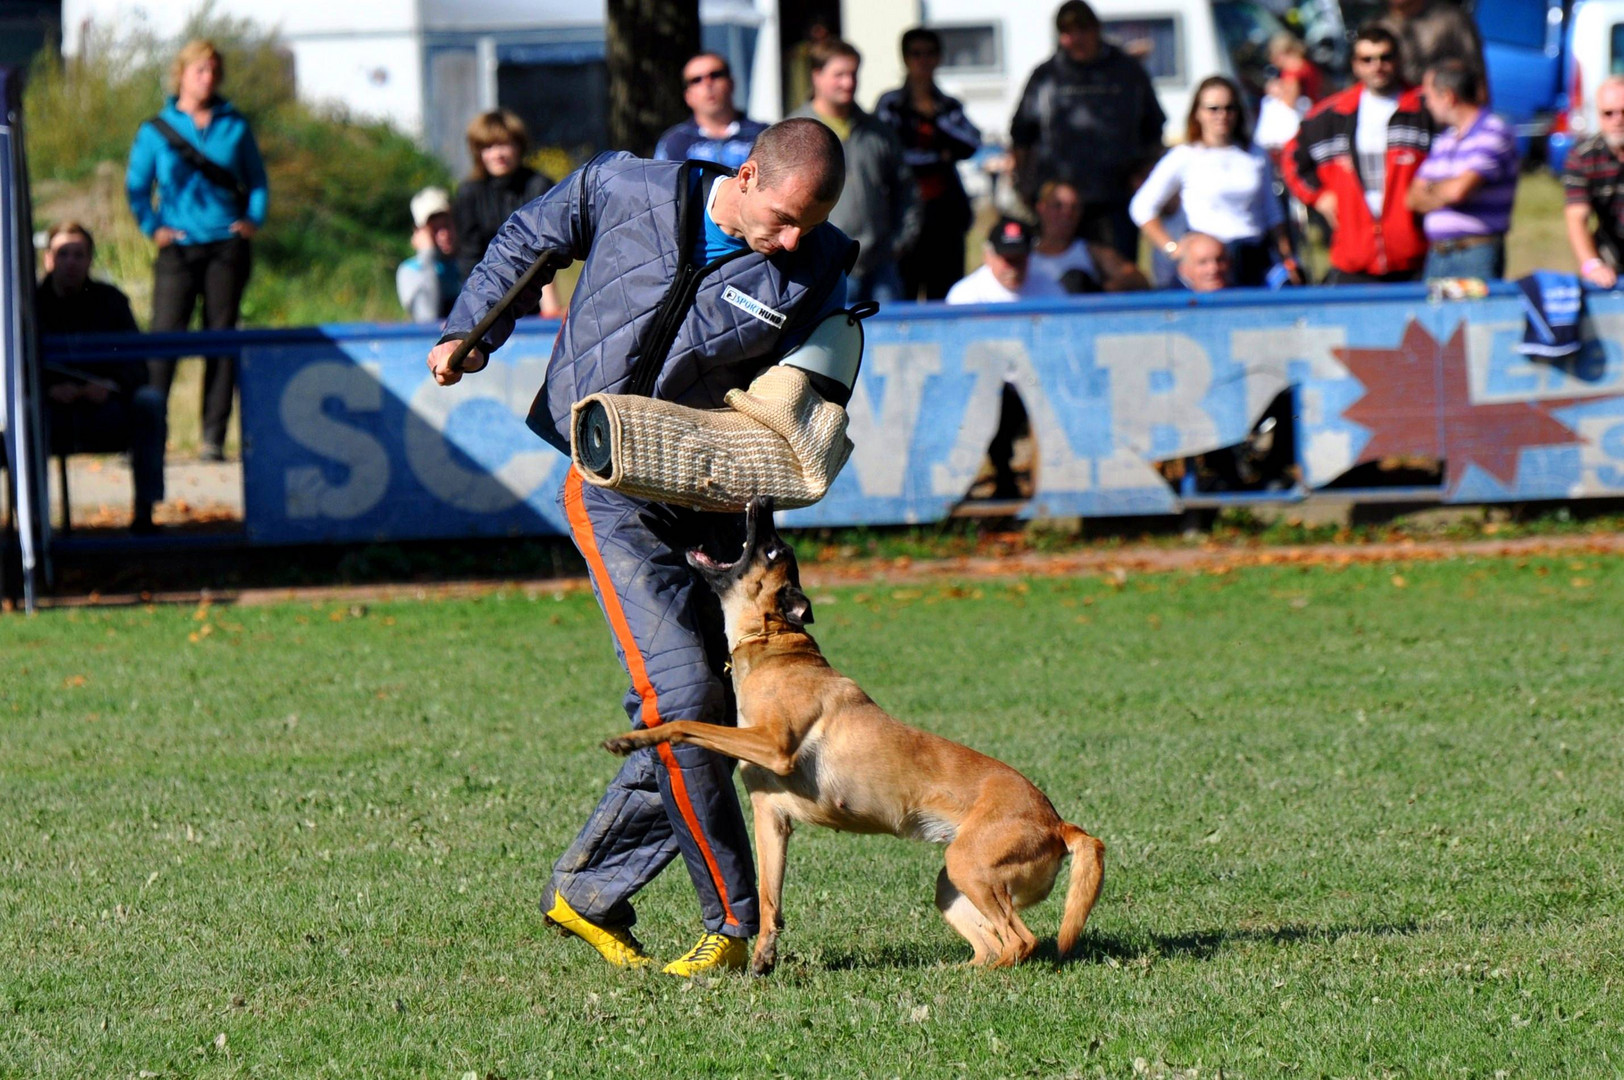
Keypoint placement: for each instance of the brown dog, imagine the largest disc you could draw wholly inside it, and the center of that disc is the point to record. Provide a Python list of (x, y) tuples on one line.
[(815, 748)]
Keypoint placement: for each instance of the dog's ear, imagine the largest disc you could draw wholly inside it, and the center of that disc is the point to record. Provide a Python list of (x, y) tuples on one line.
[(795, 605)]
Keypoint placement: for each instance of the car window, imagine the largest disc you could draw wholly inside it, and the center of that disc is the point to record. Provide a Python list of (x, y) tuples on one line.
[(1615, 59), (1154, 42)]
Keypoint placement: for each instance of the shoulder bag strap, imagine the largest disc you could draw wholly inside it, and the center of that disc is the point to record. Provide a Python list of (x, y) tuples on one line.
[(212, 171)]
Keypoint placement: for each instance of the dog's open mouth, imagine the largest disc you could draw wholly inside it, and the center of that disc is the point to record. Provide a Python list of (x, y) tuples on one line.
[(704, 562), (760, 509)]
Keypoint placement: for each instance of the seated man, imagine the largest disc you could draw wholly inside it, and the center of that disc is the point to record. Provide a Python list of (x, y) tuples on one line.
[(1002, 277), (1203, 263), (429, 281), (1266, 459), (98, 408)]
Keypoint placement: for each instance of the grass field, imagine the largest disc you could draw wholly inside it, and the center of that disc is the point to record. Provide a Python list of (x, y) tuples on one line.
[(1360, 822)]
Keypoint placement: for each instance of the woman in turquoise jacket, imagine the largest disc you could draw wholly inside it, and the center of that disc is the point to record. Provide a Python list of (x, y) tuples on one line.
[(200, 159)]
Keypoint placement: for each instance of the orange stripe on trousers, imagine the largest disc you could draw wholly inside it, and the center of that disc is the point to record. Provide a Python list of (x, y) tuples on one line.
[(649, 711)]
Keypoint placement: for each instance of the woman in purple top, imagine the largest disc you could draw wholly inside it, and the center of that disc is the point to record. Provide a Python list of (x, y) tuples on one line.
[(1468, 182)]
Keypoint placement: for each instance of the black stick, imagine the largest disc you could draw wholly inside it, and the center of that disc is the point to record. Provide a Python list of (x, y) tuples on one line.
[(475, 336)]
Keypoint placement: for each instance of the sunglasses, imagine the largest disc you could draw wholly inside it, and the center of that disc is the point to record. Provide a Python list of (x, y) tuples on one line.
[(707, 76), (1376, 58)]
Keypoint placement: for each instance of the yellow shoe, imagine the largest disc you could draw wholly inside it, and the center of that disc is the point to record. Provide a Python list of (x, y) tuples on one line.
[(614, 944), (715, 952)]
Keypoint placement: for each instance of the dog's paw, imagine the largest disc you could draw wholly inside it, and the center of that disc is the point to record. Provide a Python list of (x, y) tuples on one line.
[(765, 958), (621, 746)]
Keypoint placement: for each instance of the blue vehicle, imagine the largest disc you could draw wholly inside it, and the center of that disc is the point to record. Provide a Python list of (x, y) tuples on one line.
[(1593, 49), (1524, 47)]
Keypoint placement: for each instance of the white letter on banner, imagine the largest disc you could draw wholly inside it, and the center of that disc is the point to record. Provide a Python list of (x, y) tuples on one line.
[(1158, 381), (1511, 376), (1268, 354), (1601, 455), (994, 363), (477, 491), (880, 446), (1266, 357), (308, 493)]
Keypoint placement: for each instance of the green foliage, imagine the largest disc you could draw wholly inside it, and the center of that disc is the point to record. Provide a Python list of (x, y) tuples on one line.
[(339, 218), (1360, 821)]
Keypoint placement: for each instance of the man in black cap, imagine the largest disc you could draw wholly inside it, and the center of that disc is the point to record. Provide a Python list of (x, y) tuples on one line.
[(1002, 277)]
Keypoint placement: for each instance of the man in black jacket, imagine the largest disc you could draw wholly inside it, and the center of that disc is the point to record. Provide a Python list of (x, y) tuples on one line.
[(1089, 115), (98, 408)]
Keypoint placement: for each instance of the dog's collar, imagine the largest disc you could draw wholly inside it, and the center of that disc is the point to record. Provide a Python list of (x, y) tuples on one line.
[(748, 639)]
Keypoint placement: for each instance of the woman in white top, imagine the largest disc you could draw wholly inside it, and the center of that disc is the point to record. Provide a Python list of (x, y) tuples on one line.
[(1075, 264), (1225, 185)]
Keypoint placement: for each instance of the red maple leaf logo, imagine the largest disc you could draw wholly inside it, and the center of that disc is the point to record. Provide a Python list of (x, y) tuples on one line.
[(1417, 403)]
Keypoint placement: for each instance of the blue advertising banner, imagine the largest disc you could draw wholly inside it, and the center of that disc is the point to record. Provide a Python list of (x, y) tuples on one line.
[(351, 439), (347, 437)]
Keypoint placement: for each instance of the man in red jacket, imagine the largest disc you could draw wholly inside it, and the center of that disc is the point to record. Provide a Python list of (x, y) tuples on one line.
[(1354, 159)]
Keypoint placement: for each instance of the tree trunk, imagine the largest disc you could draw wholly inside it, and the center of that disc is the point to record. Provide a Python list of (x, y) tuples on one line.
[(648, 42)]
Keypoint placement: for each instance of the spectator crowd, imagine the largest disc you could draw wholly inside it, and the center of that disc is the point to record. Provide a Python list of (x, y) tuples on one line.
[(1406, 172)]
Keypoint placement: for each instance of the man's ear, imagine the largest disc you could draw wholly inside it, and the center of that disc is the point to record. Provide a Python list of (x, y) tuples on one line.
[(795, 605), (749, 176)]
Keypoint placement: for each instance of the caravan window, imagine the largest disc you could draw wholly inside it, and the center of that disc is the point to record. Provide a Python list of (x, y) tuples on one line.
[(1154, 42), (971, 49)]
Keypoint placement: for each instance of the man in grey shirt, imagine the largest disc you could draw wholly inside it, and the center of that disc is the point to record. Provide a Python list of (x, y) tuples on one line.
[(878, 207)]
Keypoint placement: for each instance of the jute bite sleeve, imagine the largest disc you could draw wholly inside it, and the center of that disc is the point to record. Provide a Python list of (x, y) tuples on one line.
[(778, 438)]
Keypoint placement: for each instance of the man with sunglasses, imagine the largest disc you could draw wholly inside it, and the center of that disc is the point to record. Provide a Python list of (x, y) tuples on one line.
[(1593, 180), (717, 131), (1354, 160)]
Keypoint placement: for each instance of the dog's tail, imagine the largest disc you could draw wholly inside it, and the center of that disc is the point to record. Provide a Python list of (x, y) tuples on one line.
[(1087, 872)]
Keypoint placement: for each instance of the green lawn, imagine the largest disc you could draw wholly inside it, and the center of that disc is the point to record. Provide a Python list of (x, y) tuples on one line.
[(1360, 822)]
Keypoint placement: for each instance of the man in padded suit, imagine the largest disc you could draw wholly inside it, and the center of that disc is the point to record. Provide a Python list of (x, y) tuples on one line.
[(696, 278)]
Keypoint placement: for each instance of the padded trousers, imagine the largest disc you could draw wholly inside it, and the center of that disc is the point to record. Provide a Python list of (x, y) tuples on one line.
[(673, 798)]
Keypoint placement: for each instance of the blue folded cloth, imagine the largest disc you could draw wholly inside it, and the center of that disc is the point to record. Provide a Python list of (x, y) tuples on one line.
[(1278, 276), (1554, 302)]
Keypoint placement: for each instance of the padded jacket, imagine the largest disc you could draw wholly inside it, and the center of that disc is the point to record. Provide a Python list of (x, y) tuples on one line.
[(1322, 158), (644, 316)]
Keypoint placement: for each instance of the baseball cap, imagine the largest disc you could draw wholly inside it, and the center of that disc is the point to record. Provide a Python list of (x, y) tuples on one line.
[(427, 203), (1011, 236)]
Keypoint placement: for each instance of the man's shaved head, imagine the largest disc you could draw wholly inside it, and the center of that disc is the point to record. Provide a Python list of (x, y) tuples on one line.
[(802, 147)]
